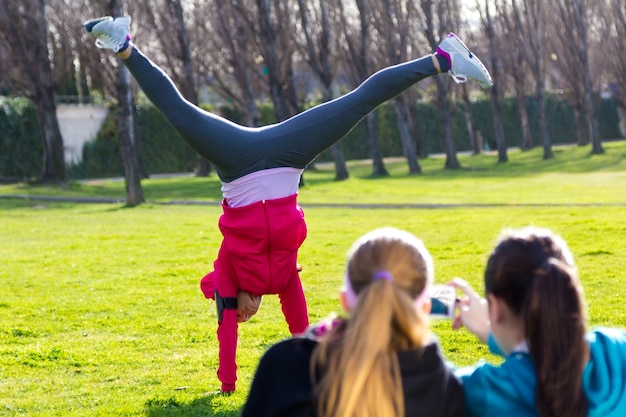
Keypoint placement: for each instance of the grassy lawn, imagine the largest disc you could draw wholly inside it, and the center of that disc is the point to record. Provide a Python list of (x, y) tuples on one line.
[(526, 179), (101, 313)]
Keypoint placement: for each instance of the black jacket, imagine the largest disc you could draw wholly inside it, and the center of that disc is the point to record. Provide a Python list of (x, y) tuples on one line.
[(282, 385)]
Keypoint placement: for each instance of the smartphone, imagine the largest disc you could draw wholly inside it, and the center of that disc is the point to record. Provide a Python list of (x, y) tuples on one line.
[(443, 301)]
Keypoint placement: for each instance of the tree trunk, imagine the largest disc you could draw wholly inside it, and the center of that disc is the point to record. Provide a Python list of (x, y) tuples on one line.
[(134, 191), (271, 56), (578, 117), (358, 57), (543, 128), (527, 138), (527, 26), (580, 9), (378, 164), (621, 114), (405, 136), (339, 158), (143, 172), (203, 167), (469, 121), (341, 170), (452, 162), (495, 92), (126, 126), (496, 108), (319, 54), (53, 155), (188, 79), (592, 119), (420, 149), (25, 63)]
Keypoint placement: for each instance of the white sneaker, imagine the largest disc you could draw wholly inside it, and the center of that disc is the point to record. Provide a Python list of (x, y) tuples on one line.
[(110, 33), (463, 63)]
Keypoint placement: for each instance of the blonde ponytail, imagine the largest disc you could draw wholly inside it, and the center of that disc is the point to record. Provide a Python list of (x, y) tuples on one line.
[(360, 374)]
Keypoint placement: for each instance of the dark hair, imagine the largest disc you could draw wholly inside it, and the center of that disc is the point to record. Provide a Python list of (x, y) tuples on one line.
[(533, 271)]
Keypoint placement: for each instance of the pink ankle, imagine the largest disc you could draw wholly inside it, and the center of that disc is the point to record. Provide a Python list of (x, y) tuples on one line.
[(446, 55)]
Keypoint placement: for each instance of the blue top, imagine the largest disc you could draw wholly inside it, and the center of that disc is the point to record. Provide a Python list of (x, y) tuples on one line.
[(509, 389)]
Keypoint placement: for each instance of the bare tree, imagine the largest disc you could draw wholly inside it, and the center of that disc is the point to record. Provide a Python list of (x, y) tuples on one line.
[(574, 44), (439, 19), (254, 47), (227, 54), (126, 124), (528, 27), (25, 60), (514, 64), (319, 53), (469, 120), (614, 45), (168, 25), (395, 18), (277, 47), (569, 75), (357, 55), (496, 91)]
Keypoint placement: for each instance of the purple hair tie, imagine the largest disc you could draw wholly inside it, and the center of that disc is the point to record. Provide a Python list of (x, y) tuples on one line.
[(351, 296), (382, 274)]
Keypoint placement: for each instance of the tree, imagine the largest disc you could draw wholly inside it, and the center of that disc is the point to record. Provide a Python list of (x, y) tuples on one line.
[(395, 19), (614, 44), (126, 124), (230, 62), (489, 27), (528, 24), (25, 60), (317, 49), (357, 56), (169, 27), (574, 44), (440, 19), (275, 31), (514, 64)]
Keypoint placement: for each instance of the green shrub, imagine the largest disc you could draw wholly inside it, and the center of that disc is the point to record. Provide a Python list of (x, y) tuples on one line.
[(163, 150), (21, 142), (161, 147)]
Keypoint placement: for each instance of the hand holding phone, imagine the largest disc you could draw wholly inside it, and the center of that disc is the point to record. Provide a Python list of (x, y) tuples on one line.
[(443, 301)]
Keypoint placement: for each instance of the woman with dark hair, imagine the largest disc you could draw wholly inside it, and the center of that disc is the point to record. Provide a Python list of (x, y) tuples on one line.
[(534, 316)]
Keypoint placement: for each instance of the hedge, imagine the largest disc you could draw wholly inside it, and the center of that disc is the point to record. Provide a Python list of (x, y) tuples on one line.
[(21, 143), (162, 150)]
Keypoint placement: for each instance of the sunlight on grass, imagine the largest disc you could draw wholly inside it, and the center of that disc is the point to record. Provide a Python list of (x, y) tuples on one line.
[(572, 176), (101, 312)]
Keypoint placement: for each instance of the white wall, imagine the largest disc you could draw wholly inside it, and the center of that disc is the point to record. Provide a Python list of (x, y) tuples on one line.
[(79, 123)]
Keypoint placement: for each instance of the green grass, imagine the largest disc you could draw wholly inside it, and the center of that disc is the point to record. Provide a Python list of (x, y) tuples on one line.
[(101, 313), (526, 179)]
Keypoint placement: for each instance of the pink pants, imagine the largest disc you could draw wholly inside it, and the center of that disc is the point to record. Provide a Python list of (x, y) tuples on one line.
[(258, 255)]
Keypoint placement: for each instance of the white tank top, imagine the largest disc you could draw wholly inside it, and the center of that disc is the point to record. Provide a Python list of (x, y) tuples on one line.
[(267, 184)]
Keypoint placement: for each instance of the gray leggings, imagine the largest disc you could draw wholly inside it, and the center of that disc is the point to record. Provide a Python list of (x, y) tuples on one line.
[(236, 150)]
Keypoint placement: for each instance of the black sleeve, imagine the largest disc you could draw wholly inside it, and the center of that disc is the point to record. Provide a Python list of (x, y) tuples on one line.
[(282, 383)]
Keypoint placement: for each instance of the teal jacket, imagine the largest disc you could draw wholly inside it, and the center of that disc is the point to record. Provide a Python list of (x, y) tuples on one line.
[(509, 389)]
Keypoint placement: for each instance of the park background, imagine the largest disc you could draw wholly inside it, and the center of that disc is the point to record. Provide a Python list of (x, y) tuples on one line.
[(102, 314), (556, 68)]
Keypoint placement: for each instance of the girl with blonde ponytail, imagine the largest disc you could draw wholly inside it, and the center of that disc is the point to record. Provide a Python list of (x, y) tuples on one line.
[(381, 361), (534, 316)]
